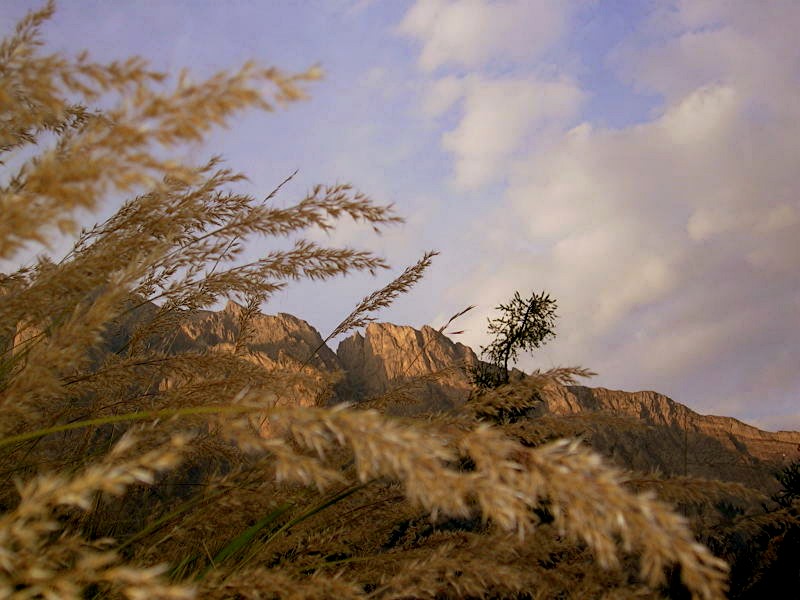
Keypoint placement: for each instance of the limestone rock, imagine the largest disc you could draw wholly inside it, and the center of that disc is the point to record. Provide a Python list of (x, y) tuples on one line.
[(673, 438), (657, 409), (279, 343), (274, 337), (390, 358)]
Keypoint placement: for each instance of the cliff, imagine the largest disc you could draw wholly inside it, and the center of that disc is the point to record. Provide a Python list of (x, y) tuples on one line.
[(390, 358), (272, 337), (656, 409), (412, 370), (279, 343), (653, 432)]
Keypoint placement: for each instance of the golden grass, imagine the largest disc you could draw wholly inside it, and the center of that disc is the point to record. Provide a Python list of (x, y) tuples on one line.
[(128, 469)]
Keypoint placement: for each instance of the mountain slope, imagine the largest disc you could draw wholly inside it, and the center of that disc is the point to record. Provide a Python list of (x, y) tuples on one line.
[(639, 430), (656, 409), (647, 431)]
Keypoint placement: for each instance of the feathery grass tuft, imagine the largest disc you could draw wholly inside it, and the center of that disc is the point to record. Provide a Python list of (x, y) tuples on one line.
[(134, 463)]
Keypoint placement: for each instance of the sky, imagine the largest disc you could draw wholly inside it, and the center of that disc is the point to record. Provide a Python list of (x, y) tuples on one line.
[(635, 159)]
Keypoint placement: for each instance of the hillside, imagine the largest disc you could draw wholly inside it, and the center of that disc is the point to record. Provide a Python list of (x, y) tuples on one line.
[(420, 370)]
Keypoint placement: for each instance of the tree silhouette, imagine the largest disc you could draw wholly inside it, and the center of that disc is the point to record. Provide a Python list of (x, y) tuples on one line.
[(789, 478), (522, 325)]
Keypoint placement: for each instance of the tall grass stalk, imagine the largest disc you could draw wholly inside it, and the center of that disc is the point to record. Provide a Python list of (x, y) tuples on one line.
[(120, 441)]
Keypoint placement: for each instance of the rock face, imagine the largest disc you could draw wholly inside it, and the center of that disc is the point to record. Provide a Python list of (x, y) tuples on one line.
[(280, 343), (274, 337), (397, 363), (674, 439), (656, 409), (390, 357)]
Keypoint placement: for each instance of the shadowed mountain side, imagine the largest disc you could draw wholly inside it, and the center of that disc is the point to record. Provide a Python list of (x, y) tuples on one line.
[(645, 431), (656, 409), (638, 446)]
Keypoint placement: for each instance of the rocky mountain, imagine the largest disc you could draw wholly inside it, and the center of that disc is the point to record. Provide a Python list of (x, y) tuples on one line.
[(659, 410), (411, 367), (272, 338), (279, 343), (664, 435), (644, 431), (421, 364), (411, 370)]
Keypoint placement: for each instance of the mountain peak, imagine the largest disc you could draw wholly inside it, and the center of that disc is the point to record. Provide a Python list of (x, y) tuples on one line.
[(387, 356), (399, 361), (233, 308)]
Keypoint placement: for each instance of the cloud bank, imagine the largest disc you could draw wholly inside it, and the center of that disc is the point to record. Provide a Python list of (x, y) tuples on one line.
[(472, 33), (672, 244)]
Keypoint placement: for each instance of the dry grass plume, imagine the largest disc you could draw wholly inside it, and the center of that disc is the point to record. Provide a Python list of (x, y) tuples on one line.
[(128, 469)]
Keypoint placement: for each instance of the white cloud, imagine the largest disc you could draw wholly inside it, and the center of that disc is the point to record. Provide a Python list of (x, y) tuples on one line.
[(719, 41), (442, 94), (779, 217), (672, 246), (473, 32), (701, 115), (499, 116), (499, 113)]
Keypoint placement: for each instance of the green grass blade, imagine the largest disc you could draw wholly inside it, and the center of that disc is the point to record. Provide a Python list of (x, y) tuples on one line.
[(143, 415), (177, 572), (318, 508), (163, 520), (302, 517), (244, 538)]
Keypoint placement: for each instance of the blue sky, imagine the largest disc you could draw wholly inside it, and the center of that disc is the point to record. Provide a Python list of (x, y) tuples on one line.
[(636, 159)]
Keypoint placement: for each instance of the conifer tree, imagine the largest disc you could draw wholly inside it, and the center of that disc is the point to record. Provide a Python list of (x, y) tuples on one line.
[(522, 325)]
